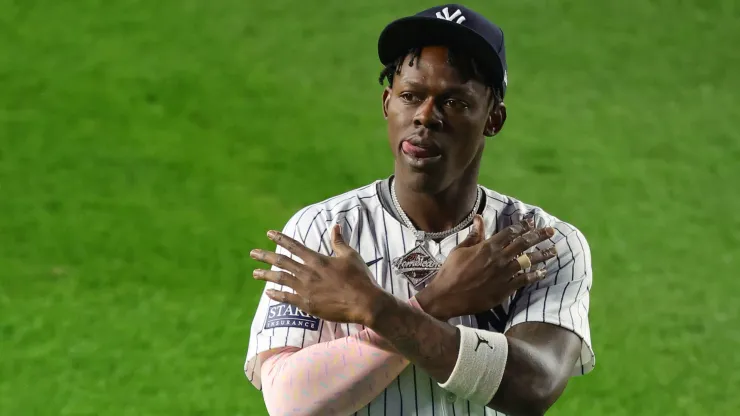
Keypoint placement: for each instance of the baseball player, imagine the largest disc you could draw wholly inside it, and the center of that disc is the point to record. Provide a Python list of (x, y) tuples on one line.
[(425, 293)]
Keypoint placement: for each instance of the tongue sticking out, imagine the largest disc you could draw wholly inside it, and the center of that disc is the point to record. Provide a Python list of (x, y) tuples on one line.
[(418, 152)]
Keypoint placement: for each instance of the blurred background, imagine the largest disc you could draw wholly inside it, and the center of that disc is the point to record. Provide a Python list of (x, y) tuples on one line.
[(146, 147)]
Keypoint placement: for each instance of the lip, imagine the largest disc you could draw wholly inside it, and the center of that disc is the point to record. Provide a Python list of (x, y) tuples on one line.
[(425, 143), (422, 141), (420, 163)]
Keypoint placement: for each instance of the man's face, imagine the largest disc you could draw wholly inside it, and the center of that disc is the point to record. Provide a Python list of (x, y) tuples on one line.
[(436, 123)]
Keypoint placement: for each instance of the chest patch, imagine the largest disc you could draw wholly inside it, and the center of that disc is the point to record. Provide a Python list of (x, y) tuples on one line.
[(284, 315)]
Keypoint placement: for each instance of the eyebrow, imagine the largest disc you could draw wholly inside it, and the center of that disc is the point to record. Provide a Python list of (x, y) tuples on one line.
[(450, 90)]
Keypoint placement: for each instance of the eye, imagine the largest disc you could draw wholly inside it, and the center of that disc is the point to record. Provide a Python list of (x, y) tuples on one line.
[(408, 97), (455, 104)]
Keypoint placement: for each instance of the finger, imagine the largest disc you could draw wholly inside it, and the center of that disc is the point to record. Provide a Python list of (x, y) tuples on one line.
[(477, 232), (541, 256), (526, 241), (507, 235), (525, 279), (277, 277), (537, 257), (277, 260), (284, 297), (337, 241), (293, 246)]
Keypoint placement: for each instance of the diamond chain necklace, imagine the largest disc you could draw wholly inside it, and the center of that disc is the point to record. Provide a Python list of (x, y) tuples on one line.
[(422, 235)]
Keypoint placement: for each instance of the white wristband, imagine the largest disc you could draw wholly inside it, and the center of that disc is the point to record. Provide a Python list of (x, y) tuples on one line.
[(480, 365)]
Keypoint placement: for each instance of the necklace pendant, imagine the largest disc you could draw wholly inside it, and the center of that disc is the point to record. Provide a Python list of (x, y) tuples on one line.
[(417, 266)]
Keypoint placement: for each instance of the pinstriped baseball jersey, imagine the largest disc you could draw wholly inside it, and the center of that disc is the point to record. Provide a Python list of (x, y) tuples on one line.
[(371, 226)]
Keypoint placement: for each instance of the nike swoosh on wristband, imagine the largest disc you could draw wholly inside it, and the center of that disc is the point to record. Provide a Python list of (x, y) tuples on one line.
[(370, 263)]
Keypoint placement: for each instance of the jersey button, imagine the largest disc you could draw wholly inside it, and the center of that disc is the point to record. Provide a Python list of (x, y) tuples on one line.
[(451, 397)]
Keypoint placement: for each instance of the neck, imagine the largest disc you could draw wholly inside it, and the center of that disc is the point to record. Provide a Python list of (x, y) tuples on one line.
[(439, 211)]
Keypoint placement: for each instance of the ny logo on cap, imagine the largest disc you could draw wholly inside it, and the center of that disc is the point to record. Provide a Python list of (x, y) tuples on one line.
[(447, 16)]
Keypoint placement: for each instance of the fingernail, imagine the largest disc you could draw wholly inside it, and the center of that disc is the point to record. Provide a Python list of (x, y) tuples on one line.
[(541, 273), (271, 234), (550, 231), (258, 273), (254, 253)]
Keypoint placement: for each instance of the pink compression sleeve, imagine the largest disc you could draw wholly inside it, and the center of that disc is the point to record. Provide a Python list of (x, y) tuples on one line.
[(337, 377)]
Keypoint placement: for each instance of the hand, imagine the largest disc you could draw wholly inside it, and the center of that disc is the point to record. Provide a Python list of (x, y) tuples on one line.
[(480, 274), (338, 289)]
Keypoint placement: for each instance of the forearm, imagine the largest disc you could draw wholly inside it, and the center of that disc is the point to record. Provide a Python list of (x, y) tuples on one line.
[(422, 339), (540, 361), (336, 377), (530, 383)]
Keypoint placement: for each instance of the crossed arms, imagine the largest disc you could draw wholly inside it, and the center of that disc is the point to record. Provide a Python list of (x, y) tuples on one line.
[(543, 348)]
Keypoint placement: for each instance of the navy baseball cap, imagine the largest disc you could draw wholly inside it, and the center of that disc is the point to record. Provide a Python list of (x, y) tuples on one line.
[(450, 25)]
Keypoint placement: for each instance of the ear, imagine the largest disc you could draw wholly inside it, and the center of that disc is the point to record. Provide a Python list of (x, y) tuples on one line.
[(496, 120), (386, 101)]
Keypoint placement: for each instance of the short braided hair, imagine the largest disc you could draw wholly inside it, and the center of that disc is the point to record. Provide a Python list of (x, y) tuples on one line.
[(467, 67)]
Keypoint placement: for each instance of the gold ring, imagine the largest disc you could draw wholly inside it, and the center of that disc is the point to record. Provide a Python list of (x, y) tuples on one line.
[(524, 261)]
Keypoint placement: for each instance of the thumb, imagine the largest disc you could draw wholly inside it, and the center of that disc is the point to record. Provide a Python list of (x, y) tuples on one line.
[(337, 241), (477, 233)]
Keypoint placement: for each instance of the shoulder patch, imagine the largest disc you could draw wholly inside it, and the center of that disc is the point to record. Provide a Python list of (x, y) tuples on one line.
[(285, 315)]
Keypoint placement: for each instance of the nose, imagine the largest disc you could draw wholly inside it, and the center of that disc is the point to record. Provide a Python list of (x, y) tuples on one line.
[(428, 115)]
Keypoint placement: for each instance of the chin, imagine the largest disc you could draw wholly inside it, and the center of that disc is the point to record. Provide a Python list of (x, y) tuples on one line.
[(426, 180)]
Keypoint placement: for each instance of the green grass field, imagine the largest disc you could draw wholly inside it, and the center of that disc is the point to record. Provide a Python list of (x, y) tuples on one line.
[(146, 147)]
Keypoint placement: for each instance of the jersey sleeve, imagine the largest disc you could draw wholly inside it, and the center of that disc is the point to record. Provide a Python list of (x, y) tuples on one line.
[(562, 297), (277, 325)]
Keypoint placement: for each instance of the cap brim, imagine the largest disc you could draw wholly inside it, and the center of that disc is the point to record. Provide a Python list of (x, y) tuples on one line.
[(418, 31)]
